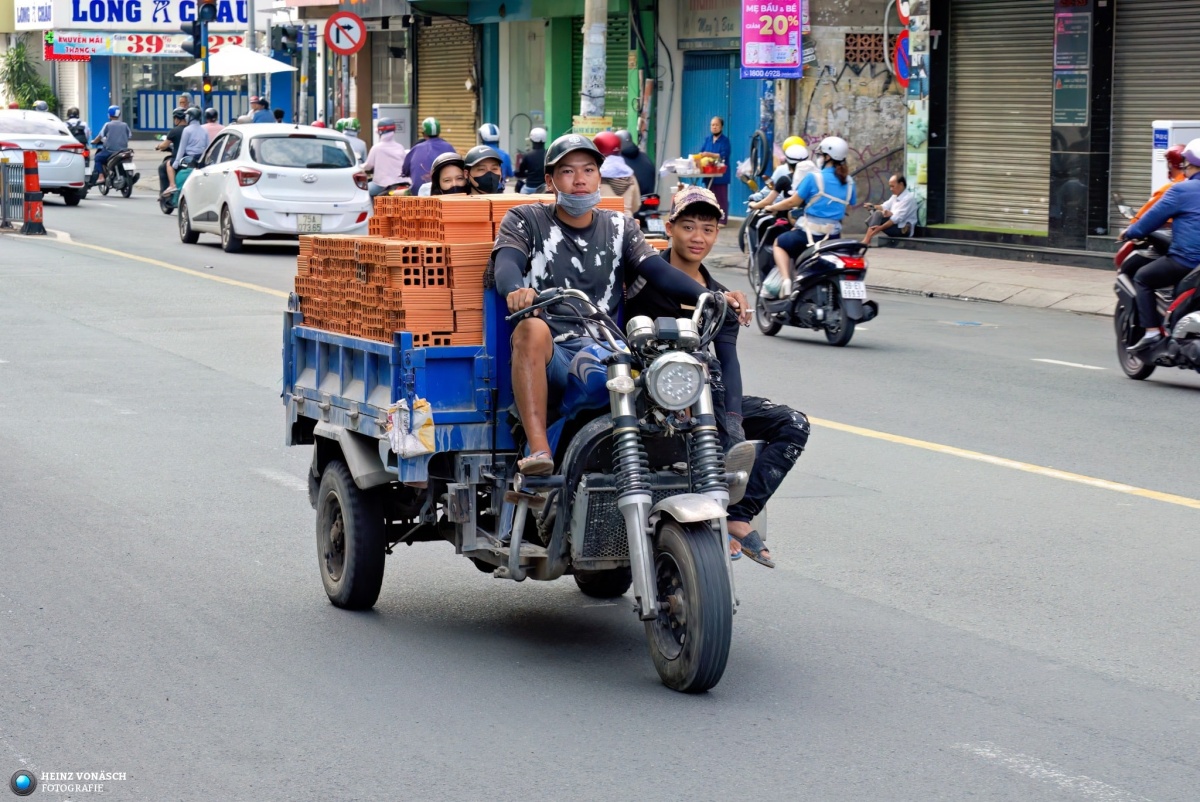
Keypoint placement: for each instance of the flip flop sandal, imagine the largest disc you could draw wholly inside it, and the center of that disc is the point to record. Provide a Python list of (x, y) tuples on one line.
[(753, 547), (737, 556), (540, 463)]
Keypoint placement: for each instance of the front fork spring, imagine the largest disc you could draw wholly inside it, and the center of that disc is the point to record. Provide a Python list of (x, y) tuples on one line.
[(630, 463), (708, 460)]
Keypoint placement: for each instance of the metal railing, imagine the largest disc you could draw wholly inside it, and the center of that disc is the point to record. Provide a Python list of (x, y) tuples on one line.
[(12, 188)]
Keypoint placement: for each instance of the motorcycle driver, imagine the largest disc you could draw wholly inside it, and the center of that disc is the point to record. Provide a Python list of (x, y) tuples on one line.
[(692, 227), (489, 134), (385, 162), (639, 162), (115, 138), (484, 171), (1180, 203), (170, 143), (570, 244), (1175, 169), (349, 128), (782, 194), (419, 161), (192, 145), (41, 105), (531, 165), (211, 123), (616, 177), (827, 194), (80, 130)]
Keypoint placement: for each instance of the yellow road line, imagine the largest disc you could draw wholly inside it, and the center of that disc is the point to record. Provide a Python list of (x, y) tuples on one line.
[(1052, 473), (186, 270)]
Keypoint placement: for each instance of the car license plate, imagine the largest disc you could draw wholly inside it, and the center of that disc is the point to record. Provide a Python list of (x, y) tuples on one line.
[(854, 290), (655, 225), (43, 155), (308, 223)]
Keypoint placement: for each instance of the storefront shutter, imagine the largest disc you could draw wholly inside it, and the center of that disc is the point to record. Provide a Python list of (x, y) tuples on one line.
[(1155, 73), (998, 167), (445, 63), (616, 74), (67, 90)]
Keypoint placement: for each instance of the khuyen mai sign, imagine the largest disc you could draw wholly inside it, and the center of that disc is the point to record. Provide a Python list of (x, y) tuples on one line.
[(771, 39)]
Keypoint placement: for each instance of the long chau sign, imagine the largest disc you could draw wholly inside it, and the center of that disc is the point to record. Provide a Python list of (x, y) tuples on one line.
[(143, 16)]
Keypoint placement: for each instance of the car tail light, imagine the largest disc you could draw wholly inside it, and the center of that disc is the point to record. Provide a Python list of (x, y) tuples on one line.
[(247, 177), (360, 180), (1123, 254), (361, 217), (9, 146), (75, 146), (253, 215)]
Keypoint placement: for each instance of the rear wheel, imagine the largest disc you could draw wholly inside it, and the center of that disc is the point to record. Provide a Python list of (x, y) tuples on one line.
[(839, 329), (72, 197), (1128, 333), (767, 323), (689, 641), (604, 584), (186, 233), (230, 241), (104, 186), (127, 190), (350, 540)]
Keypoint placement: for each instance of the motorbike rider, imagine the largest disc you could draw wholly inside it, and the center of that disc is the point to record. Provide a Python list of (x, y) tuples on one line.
[(1175, 168), (570, 244), (386, 159), (192, 145), (639, 162), (211, 125), (781, 196), (484, 171), (170, 143), (1180, 203), (260, 110), (41, 105), (115, 137), (448, 176), (80, 130), (349, 128), (531, 165), (419, 161), (616, 177), (692, 227), (827, 195), (489, 134)]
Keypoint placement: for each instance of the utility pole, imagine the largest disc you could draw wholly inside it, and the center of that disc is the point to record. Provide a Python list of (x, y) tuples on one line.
[(595, 38), (302, 104), (251, 80)]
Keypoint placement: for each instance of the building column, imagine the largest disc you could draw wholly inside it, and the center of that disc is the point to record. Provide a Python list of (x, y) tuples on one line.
[(490, 74)]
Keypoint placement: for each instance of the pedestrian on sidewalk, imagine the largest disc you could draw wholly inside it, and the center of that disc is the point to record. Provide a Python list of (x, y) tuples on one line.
[(717, 147), (896, 216)]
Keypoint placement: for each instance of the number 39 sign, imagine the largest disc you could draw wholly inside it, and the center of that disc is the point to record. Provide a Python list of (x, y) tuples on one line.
[(771, 39)]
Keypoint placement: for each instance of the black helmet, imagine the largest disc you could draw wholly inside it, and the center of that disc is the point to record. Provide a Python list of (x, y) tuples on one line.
[(178, 113), (569, 143), (629, 148), (440, 163), (210, 115), (72, 112), (193, 113), (480, 152)]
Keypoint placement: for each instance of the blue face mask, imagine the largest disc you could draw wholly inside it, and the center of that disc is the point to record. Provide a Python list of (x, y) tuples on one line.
[(577, 205)]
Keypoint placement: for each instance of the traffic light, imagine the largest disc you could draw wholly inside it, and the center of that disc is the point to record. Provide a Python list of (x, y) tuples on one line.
[(290, 37), (194, 48), (206, 86), (277, 39), (206, 10)]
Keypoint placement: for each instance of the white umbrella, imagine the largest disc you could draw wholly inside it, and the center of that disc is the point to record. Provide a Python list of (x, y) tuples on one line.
[(235, 60)]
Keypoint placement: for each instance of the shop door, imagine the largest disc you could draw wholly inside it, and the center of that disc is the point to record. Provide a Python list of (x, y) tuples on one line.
[(1154, 78), (712, 87), (445, 66), (1001, 80)]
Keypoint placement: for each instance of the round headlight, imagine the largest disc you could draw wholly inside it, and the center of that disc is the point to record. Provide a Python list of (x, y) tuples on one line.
[(675, 380)]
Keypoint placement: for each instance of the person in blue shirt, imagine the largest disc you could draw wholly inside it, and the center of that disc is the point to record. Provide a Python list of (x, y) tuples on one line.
[(489, 135), (262, 110), (827, 194), (717, 147), (1180, 205)]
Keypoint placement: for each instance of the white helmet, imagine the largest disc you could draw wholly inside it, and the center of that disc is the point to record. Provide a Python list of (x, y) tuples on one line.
[(488, 132), (1191, 154), (537, 135), (796, 153), (835, 148)]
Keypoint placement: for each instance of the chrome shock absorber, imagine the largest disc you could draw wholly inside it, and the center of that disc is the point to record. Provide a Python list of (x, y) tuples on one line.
[(631, 466)]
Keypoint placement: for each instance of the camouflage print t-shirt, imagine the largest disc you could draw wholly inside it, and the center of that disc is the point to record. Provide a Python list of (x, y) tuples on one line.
[(598, 260)]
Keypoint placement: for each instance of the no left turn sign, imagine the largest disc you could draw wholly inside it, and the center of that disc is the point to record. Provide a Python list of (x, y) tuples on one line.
[(345, 33)]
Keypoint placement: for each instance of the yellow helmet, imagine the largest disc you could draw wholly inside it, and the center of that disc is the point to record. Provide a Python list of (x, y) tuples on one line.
[(793, 140)]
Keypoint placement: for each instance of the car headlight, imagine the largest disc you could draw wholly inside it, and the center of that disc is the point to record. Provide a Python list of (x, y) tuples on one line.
[(675, 380)]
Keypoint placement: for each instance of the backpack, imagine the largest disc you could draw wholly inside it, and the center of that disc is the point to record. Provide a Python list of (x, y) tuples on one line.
[(78, 131)]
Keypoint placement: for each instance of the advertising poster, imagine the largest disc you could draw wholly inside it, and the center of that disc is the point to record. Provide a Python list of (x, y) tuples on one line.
[(916, 162), (771, 39)]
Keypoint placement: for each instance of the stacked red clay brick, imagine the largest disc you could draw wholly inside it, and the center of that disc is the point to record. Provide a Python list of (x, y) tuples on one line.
[(420, 269)]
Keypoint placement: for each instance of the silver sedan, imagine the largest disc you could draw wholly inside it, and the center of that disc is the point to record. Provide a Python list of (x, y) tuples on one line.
[(60, 156)]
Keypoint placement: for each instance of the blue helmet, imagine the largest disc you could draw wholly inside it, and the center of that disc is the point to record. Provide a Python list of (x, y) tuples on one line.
[(114, 111)]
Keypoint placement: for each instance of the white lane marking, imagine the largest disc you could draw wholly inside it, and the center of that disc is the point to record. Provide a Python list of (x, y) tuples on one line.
[(3, 361), (1067, 364), (290, 481), (1046, 772)]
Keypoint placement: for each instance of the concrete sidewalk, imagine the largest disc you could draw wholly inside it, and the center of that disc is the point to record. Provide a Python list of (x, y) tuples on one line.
[(967, 278)]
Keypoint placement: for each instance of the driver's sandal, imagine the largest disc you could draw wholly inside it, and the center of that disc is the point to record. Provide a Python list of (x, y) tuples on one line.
[(753, 547), (539, 463)]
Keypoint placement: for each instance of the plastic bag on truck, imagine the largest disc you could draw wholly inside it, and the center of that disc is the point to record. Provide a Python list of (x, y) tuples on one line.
[(410, 433)]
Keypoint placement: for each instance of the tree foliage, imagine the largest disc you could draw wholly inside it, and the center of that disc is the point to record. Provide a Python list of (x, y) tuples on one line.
[(21, 79)]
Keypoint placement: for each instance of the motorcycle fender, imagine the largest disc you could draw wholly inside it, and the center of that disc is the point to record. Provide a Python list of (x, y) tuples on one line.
[(853, 309), (687, 508)]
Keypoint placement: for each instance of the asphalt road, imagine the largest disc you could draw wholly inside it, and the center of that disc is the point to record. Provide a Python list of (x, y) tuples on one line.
[(939, 628)]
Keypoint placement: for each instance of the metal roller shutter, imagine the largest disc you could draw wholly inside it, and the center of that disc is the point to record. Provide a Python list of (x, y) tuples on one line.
[(998, 163), (1154, 78), (445, 63), (616, 73)]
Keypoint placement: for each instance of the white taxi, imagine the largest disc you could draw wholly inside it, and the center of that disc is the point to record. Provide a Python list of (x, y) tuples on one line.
[(273, 181)]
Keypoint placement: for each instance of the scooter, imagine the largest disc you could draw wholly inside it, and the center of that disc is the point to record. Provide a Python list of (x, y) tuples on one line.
[(170, 202), (1179, 307), (829, 292), (650, 218), (119, 173)]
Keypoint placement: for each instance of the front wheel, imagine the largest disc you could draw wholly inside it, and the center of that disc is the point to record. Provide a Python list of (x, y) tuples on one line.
[(187, 234), (1128, 333), (689, 641), (104, 186), (350, 540), (767, 323)]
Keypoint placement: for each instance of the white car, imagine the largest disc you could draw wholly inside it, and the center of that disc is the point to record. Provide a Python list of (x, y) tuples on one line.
[(273, 181), (60, 156)]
